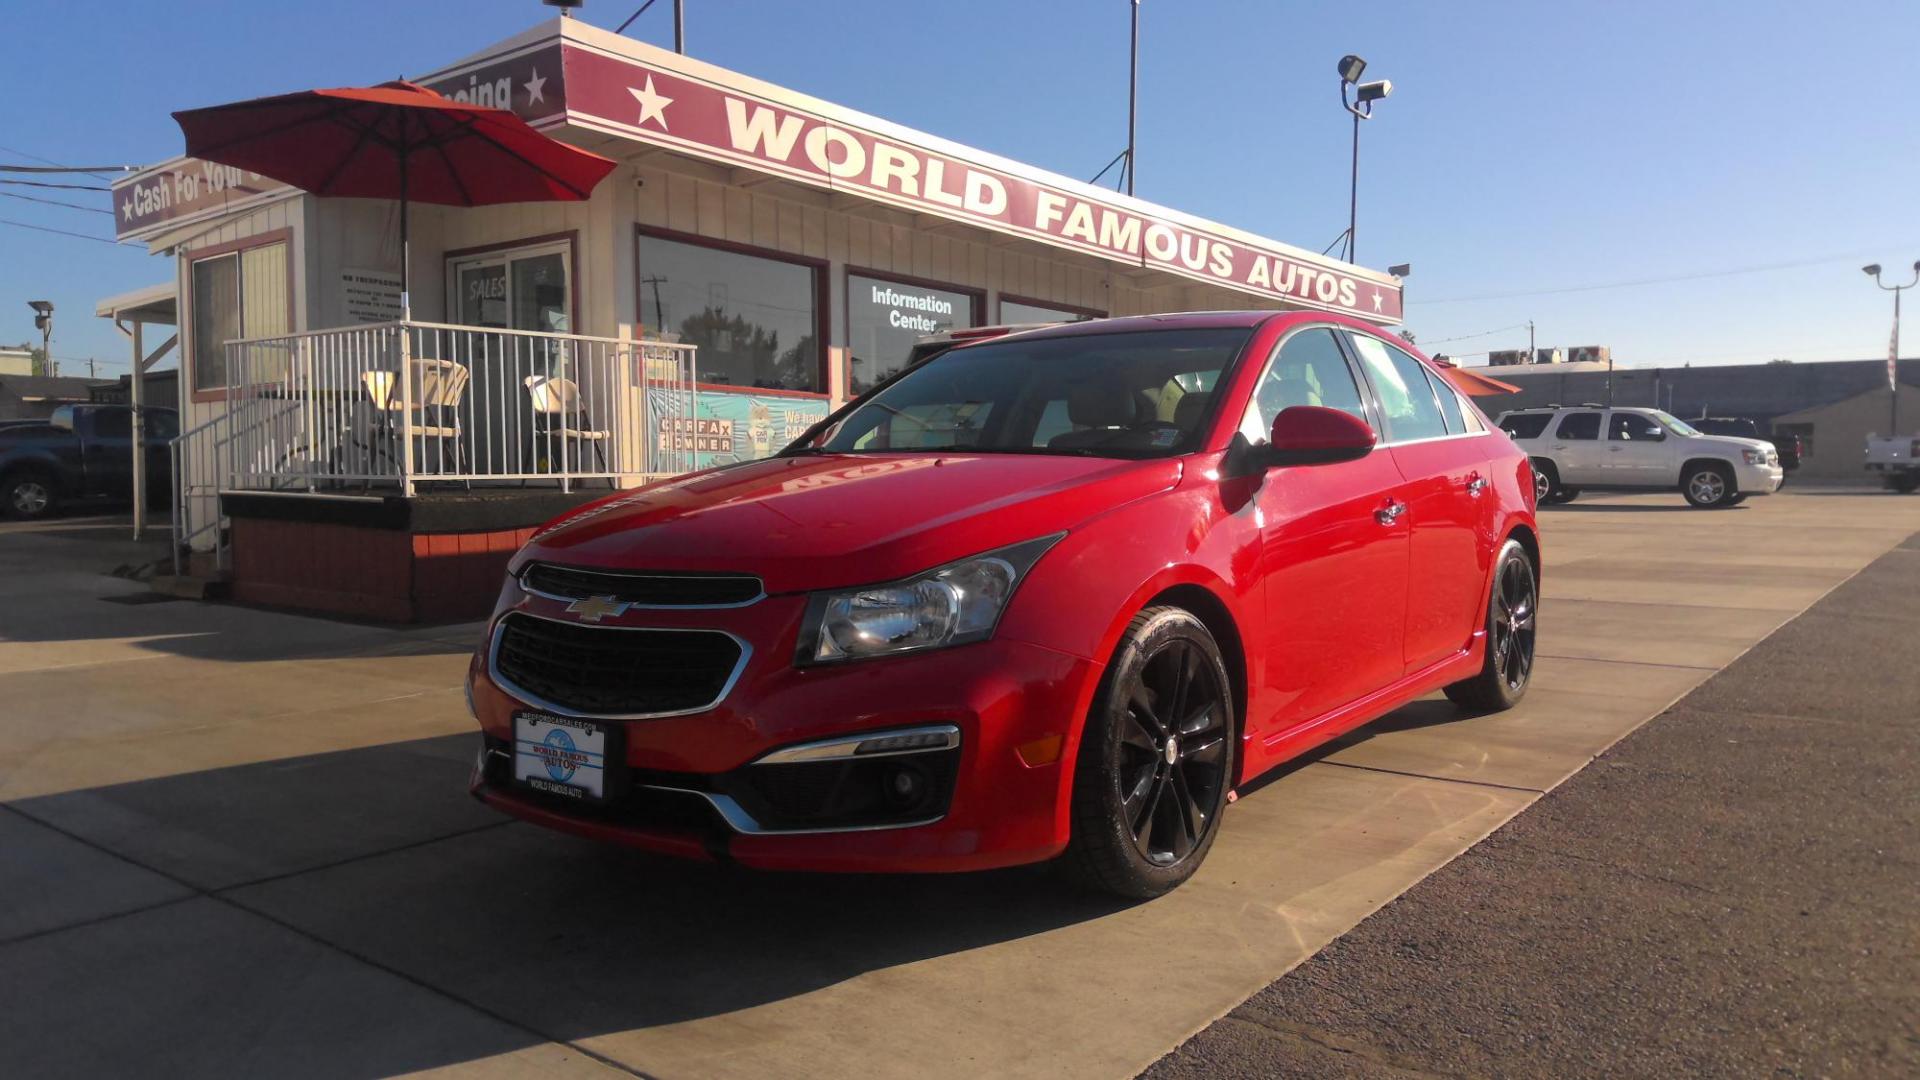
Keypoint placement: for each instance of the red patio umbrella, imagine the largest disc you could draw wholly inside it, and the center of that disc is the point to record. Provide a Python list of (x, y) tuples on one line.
[(1474, 384), (393, 141)]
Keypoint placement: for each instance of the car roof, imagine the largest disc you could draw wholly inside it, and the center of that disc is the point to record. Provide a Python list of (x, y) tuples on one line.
[(1192, 320)]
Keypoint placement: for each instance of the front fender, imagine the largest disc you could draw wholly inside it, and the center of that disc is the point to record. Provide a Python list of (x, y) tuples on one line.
[(1084, 592)]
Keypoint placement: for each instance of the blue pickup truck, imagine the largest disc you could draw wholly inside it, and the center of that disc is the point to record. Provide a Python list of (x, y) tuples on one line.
[(80, 453)]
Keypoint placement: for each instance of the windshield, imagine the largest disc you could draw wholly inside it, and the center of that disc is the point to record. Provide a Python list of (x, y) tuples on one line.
[(1675, 424), (1110, 395)]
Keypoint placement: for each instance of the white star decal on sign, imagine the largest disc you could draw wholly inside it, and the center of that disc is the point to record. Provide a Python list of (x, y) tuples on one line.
[(126, 209), (652, 105), (536, 87), (1377, 298)]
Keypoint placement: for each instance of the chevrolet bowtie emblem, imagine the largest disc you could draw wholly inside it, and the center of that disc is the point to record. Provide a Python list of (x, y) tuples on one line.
[(595, 608)]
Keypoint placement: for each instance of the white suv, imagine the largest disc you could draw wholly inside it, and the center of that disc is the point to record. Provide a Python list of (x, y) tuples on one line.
[(1592, 446)]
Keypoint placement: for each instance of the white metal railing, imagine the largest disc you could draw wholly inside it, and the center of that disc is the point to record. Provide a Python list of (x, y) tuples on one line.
[(327, 409)]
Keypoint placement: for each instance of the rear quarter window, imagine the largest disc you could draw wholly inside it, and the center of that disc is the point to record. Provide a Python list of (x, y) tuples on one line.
[(1525, 425)]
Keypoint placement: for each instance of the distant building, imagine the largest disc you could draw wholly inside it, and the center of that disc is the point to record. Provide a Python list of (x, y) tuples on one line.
[(33, 397), (16, 361), (1833, 436), (1832, 406)]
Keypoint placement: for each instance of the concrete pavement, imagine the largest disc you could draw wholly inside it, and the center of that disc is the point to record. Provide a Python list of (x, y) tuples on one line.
[(238, 825)]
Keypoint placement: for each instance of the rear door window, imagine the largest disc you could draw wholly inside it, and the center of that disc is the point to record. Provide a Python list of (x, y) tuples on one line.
[(1400, 382), (1580, 425), (1525, 425)]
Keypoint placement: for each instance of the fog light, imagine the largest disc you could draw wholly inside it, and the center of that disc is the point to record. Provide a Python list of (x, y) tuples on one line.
[(905, 786)]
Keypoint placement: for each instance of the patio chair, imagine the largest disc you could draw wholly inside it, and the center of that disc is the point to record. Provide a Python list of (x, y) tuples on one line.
[(560, 415), (439, 388)]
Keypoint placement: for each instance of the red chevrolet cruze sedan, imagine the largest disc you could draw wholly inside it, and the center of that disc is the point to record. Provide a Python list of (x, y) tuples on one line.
[(1048, 596)]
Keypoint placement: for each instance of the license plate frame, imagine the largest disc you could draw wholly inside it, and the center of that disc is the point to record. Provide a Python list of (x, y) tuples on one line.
[(568, 757)]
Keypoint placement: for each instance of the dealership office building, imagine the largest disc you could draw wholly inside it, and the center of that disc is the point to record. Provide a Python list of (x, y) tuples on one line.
[(801, 248)]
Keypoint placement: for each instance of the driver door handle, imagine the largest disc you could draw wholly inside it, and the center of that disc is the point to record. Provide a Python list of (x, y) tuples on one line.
[(1391, 512)]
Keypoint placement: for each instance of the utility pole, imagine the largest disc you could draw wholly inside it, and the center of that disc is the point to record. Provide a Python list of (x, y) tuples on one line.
[(680, 27), (1530, 353)]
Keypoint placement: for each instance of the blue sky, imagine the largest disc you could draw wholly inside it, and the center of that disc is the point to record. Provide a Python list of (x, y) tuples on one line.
[(1530, 150)]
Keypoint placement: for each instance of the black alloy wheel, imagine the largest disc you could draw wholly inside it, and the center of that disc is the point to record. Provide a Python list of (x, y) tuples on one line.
[(1513, 624), (1156, 759), (1513, 613), (1542, 485)]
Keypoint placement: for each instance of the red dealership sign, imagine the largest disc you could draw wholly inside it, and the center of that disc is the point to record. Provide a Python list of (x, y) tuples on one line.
[(790, 137)]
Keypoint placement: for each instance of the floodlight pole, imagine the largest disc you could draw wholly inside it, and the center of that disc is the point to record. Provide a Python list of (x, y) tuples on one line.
[(680, 27), (1133, 93), (1893, 346), (1353, 186)]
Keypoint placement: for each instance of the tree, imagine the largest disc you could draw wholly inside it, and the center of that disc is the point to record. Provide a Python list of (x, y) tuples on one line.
[(40, 361), (1406, 336)]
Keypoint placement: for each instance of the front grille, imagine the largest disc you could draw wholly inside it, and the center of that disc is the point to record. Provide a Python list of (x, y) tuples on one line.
[(648, 590), (605, 671)]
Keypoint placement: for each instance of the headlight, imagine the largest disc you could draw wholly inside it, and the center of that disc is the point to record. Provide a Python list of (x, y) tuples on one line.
[(1757, 457), (948, 605)]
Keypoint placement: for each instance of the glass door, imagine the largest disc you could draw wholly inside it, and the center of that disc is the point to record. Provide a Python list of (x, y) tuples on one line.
[(509, 397)]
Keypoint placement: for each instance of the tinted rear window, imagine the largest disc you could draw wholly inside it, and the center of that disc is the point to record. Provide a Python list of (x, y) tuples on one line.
[(1580, 425), (1525, 425)]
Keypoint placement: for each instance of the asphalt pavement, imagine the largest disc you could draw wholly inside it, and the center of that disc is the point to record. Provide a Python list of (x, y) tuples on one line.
[(1728, 891)]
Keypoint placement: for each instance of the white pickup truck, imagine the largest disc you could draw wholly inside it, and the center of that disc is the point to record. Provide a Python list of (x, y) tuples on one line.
[(1638, 449), (1896, 460)]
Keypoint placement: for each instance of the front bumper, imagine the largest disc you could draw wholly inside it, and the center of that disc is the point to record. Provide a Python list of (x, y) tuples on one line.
[(689, 778), (1759, 479)]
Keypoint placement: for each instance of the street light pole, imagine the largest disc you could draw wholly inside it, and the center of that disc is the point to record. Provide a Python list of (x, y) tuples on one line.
[(1133, 93), (1351, 67), (1872, 270), (43, 321)]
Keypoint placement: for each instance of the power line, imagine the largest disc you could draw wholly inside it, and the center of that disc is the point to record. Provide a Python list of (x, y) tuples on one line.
[(1468, 337), (62, 232), (635, 15), (1758, 269), (56, 202), (38, 158), (68, 168), (66, 187)]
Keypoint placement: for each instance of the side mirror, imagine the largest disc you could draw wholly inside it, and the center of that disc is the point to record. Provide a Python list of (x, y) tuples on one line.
[(1314, 435)]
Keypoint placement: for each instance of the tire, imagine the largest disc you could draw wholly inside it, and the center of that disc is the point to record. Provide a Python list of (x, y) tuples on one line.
[(1513, 611), (1735, 500), (1152, 774), (1708, 486), (28, 495), (1905, 483), (1547, 489)]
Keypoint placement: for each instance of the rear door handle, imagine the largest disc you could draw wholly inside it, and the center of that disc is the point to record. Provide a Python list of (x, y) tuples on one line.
[(1391, 512), (1476, 484), (1615, 449)]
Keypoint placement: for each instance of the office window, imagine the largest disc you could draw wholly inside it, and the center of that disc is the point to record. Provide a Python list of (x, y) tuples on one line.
[(754, 319), (239, 294), (885, 317)]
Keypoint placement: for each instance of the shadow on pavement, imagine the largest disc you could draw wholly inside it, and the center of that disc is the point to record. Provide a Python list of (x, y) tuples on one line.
[(379, 852)]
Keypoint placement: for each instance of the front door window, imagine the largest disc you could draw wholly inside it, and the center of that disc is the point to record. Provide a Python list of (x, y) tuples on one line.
[(524, 289)]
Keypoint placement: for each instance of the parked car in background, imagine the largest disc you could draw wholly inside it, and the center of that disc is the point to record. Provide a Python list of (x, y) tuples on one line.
[(1637, 449), (1786, 444), (1895, 459), (81, 452), (1048, 596)]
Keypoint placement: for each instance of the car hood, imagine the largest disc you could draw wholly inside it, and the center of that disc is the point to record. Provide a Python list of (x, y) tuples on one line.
[(1733, 441), (831, 520)]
